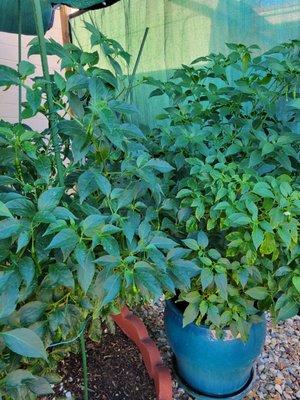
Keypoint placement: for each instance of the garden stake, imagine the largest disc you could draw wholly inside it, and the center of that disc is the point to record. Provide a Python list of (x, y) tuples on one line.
[(84, 367), (20, 57), (52, 115), (131, 79)]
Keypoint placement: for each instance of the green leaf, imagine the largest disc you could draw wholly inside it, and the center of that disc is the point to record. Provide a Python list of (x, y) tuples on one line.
[(63, 213), (66, 239), (122, 107), (93, 224), (25, 342), (252, 208), (56, 226), (238, 219), (203, 307), (295, 103), (86, 266), (202, 239), (111, 287), (9, 227), (17, 377), (27, 270), (191, 244), (214, 254), (255, 158), (188, 268), (190, 313), (50, 199), (23, 240), (4, 211), (86, 185), (60, 275), (39, 386), (268, 245), (267, 148), (31, 312), (89, 58), (213, 315), (285, 235), (76, 81), (257, 237), (183, 193), (131, 225), (289, 310), (226, 317), (221, 282), (296, 282), (102, 183), (26, 68), (9, 295), (145, 278), (192, 297), (59, 81), (285, 189), (8, 76), (111, 245), (162, 242), (21, 207), (206, 277), (34, 98), (257, 293), (160, 165), (263, 189)]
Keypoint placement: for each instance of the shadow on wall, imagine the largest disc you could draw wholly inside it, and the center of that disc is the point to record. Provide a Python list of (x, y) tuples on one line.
[(262, 22)]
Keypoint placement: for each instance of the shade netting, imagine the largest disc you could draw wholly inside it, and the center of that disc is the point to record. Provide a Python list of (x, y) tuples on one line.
[(182, 30)]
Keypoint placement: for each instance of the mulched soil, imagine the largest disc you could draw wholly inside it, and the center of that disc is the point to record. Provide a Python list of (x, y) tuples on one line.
[(116, 372)]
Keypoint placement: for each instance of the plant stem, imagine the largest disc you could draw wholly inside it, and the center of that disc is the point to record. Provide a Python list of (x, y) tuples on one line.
[(131, 79), (20, 56), (52, 115), (84, 367)]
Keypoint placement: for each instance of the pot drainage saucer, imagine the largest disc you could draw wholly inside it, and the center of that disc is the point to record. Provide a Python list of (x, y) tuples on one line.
[(239, 395)]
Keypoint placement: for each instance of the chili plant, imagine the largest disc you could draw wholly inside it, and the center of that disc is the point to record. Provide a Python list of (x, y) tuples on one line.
[(231, 133), (74, 254)]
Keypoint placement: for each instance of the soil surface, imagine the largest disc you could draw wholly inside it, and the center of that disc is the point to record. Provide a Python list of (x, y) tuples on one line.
[(116, 372)]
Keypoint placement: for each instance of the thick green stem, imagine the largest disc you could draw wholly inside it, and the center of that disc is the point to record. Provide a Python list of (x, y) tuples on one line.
[(52, 114), (20, 55), (84, 367)]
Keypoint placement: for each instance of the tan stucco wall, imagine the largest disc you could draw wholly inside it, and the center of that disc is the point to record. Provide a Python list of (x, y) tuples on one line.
[(9, 56)]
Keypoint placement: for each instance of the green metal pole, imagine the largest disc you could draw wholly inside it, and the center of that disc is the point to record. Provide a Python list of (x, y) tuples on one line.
[(20, 55), (52, 115), (84, 367)]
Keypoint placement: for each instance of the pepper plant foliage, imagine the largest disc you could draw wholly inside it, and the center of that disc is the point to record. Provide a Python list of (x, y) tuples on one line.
[(232, 134), (79, 252)]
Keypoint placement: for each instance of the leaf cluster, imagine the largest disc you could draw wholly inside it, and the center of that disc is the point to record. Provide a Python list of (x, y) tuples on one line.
[(75, 252), (231, 133)]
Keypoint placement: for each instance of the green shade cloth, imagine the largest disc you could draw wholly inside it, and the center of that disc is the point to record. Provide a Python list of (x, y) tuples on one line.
[(9, 16), (182, 30), (81, 4)]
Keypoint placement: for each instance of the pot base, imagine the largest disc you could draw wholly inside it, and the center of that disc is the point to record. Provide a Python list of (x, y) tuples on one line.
[(239, 395)]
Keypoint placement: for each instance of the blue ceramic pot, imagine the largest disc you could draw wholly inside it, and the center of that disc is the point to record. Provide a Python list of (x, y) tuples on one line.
[(215, 367)]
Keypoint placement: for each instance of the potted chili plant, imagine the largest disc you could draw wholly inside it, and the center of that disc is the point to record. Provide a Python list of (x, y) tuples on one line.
[(231, 133)]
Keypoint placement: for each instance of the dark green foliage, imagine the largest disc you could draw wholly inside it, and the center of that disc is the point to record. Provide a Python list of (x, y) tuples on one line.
[(79, 252), (232, 134)]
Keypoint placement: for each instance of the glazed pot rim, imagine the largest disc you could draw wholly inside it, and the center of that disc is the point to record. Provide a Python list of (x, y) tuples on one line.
[(176, 309)]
